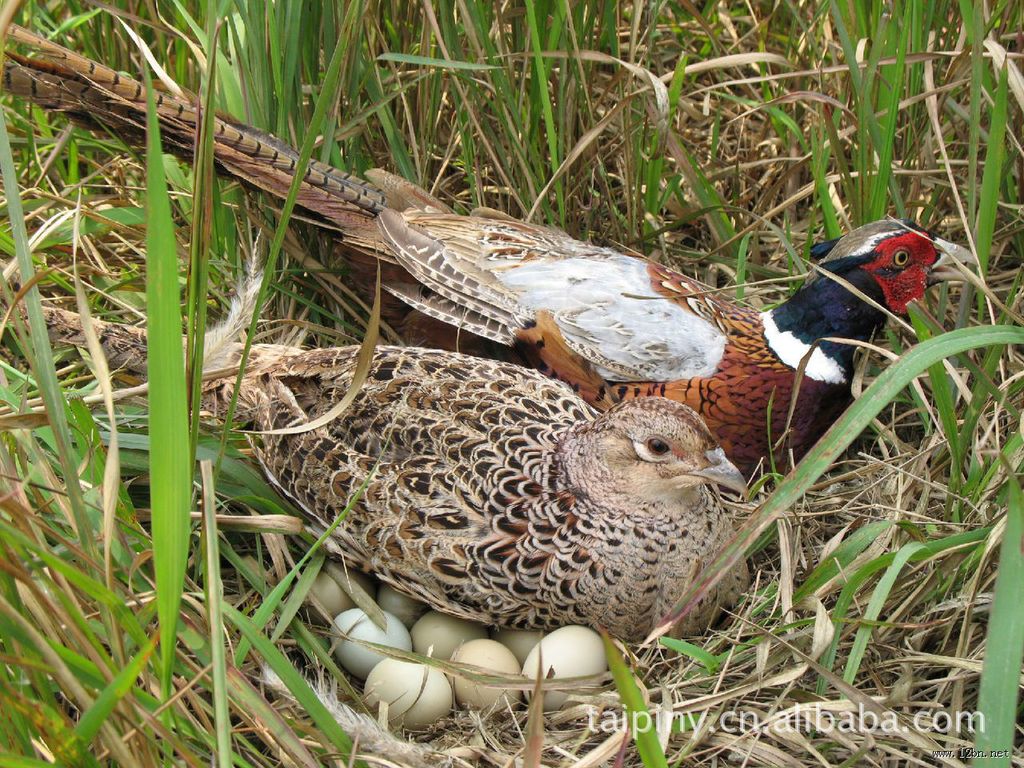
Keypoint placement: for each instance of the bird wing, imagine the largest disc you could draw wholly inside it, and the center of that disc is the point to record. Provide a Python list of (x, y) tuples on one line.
[(495, 276)]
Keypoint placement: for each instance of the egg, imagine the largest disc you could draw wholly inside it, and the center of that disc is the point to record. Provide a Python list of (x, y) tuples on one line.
[(404, 607), (571, 651), (490, 656), (438, 634), (351, 579), (417, 695), (356, 625), (519, 641), (334, 585), (329, 594)]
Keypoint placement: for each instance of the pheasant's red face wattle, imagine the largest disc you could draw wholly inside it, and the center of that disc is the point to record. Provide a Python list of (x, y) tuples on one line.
[(901, 267)]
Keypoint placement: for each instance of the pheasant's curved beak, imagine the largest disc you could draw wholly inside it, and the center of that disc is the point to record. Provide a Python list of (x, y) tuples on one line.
[(951, 263), (723, 472)]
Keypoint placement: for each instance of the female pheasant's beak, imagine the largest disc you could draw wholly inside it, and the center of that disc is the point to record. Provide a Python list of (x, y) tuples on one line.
[(946, 268), (723, 472)]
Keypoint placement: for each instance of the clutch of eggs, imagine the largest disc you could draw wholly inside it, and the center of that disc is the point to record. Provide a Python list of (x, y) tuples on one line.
[(417, 695)]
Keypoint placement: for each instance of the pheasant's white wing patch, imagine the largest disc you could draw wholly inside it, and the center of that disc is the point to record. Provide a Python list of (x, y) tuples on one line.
[(608, 312), (494, 276)]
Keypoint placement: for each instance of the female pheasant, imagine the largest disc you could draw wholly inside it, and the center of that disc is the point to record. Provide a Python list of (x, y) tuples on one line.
[(491, 492), (614, 326)]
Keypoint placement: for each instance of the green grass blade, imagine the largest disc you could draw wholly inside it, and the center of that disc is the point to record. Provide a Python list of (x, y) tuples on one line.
[(430, 61), (945, 403), (41, 358), (199, 246), (973, 15), (540, 69), (992, 176), (709, 661), (882, 189), (327, 96), (250, 700), (295, 683), (170, 473), (1004, 648), (839, 559), (215, 618), (640, 721), (966, 541), (874, 609), (91, 721)]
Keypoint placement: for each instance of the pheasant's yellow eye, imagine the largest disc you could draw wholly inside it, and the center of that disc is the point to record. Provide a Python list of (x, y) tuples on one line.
[(900, 258)]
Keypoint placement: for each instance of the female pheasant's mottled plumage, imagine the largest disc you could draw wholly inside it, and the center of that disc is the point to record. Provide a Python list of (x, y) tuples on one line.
[(611, 325), (491, 492), (488, 496)]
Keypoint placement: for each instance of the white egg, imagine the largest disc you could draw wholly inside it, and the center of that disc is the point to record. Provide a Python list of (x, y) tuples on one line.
[(571, 651), (438, 634), (329, 594), (417, 695), (490, 656), (356, 625), (351, 579), (519, 641), (404, 607)]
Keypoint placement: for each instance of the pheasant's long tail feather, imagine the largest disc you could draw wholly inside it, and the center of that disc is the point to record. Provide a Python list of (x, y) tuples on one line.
[(98, 97)]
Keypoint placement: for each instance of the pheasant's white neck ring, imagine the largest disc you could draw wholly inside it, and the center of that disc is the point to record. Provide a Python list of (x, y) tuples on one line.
[(792, 350)]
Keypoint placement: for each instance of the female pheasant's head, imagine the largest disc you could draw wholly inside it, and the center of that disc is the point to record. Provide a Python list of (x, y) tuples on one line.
[(892, 261), (648, 450)]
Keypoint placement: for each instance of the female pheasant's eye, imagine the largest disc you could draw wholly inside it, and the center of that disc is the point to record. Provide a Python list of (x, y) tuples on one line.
[(657, 446), (900, 258)]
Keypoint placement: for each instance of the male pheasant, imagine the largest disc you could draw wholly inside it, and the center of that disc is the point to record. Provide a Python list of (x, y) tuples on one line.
[(491, 492), (612, 325), (618, 327)]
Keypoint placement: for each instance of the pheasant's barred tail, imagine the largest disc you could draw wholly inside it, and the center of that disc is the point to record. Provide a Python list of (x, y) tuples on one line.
[(98, 97), (123, 345)]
